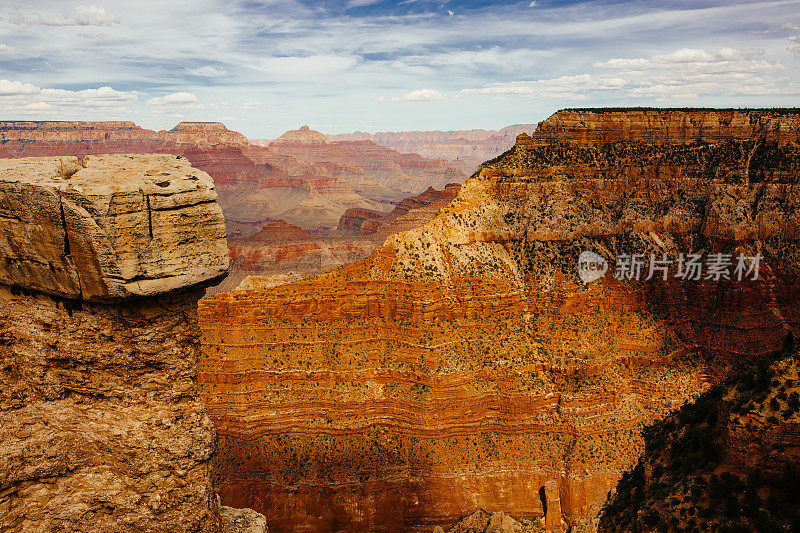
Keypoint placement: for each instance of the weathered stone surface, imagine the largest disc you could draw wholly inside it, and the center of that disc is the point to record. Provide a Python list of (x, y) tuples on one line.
[(101, 424), (118, 227), (242, 521)]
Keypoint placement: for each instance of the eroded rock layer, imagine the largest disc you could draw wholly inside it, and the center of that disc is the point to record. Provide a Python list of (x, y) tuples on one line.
[(101, 424), (464, 365)]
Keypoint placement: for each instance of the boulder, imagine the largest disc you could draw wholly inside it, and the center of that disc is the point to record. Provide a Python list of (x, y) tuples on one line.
[(109, 227)]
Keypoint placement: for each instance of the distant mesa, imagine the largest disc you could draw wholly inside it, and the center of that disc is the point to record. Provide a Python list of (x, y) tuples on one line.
[(304, 135)]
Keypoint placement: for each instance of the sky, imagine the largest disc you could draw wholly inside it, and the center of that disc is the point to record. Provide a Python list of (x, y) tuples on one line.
[(265, 66)]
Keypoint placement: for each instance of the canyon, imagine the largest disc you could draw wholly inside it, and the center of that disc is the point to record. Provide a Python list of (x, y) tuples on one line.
[(102, 427), (465, 148), (281, 252), (293, 180), (464, 365)]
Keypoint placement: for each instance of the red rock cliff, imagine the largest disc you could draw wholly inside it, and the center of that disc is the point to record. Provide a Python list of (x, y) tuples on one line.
[(464, 365)]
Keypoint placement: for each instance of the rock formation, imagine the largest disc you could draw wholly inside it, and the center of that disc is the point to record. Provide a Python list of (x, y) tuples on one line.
[(101, 424), (483, 522), (465, 364), (466, 148), (311, 187), (384, 173), (727, 462), (242, 521), (282, 252), (409, 213), (304, 135)]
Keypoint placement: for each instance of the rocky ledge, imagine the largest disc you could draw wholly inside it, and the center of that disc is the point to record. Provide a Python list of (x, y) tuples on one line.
[(109, 227), (101, 424)]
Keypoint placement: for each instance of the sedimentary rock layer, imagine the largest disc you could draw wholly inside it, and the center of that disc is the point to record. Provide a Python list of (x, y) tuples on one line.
[(465, 365), (101, 424), (109, 226), (465, 148)]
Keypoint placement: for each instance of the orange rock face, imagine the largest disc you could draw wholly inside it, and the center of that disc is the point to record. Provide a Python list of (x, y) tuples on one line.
[(464, 364)]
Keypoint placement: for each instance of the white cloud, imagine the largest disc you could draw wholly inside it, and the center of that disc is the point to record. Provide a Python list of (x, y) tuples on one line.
[(682, 74), (420, 95), (14, 88), (181, 99), (37, 108), (567, 87), (682, 56), (100, 97), (359, 3), (207, 71), (303, 68), (82, 16), (532, 4), (691, 73), (24, 98), (5, 49)]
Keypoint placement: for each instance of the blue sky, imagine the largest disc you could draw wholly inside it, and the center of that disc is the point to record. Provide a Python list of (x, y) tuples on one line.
[(263, 67)]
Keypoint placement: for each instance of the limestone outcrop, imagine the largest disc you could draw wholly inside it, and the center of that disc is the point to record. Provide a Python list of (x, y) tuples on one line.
[(101, 424), (466, 365), (109, 227)]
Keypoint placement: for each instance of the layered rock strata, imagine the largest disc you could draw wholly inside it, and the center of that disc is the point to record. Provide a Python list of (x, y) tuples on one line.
[(101, 424), (728, 461), (465, 148), (282, 252), (465, 365)]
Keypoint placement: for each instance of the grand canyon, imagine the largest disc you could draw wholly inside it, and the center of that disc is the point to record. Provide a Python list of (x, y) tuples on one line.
[(464, 365), (327, 333)]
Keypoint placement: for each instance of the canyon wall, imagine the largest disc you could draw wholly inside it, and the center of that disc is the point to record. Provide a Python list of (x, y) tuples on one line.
[(281, 252), (465, 148), (465, 365), (101, 423)]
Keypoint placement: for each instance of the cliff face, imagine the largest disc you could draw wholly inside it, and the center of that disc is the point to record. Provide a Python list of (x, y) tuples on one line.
[(727, 461), (464, 364), (408, 213), (101, 424)]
